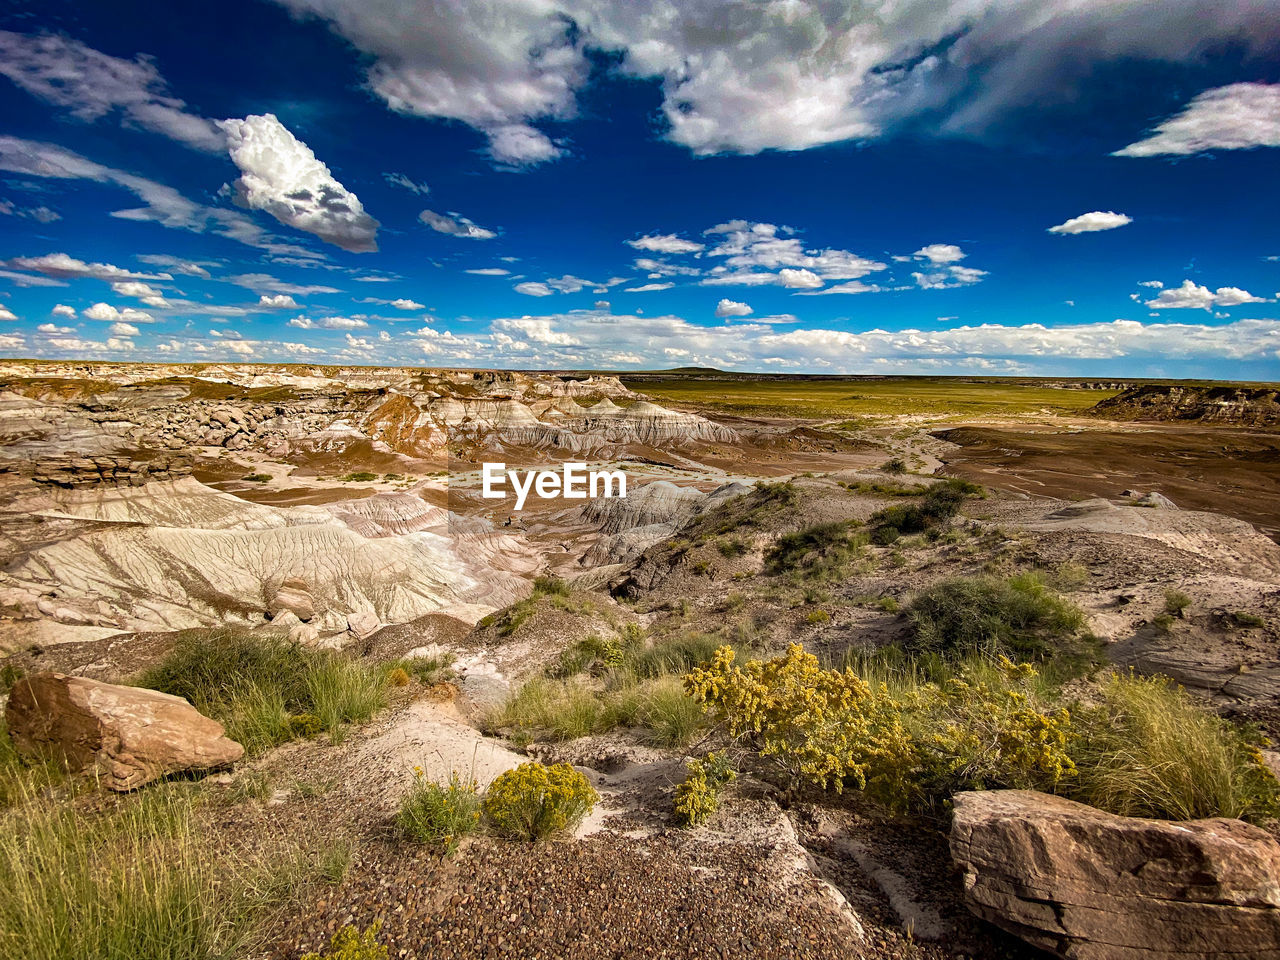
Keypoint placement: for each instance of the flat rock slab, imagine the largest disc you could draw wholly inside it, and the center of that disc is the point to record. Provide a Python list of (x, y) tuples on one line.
[(1089, 885), (129, 735)]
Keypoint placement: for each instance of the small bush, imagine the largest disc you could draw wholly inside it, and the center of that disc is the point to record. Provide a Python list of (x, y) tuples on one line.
[(351, 943), (1150, 751), (821, 551), (360, 476), (1019, 617), (1176, 602), (258, 478), (398, 677), (558, 710), (439, 815), (939, 503), (731, 548), (254, 684), (1244, 618), (305, 725), (817, 616), (674, 655), (698, 797), (426, 670), (533, 801), (894, 465)]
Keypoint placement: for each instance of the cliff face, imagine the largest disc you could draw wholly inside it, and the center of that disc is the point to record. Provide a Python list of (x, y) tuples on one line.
[(1251, 406)]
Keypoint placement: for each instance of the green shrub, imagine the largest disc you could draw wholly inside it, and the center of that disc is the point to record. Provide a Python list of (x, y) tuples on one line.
[(1176, 602), (258, 478), (360, 476), (1020, 617), (817, 616), (533, 801), (439, 815), (254, 684), (558, 710), (937, 505), (731, 548), (1150, 751), (894, 465), (1244, 618), (819, 552), (698, 797), (306, 725), (350, 943)]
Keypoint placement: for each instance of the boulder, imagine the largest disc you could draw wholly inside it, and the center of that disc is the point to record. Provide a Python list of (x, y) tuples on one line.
[(1089, 885), (127, 735), (293, 596), (363, 623), (1157, 501)]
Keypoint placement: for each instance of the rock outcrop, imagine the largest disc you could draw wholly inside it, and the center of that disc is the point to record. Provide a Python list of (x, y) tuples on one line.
[(1089, 885), (1256, 406), (130, 736)]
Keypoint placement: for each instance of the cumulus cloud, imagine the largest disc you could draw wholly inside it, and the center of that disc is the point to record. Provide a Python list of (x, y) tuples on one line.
[(403, 304), (752, 252), (666, 243), (124, 330), (161, 204), (63, 266), (106, 313), (328, 323), (1092, 222), (532, 288), (141, 291), (279, 174), (53, 328), (1236, 117), (732, 308), (746, 77), (851, 287), (1155, 284), (278, 301), (455, 225), (664, 268), (62, 310), (1192, 296), (940, 253), (91, 85), (6, 313)]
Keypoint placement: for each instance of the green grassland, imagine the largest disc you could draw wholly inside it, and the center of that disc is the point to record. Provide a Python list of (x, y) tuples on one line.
[(852, 397)]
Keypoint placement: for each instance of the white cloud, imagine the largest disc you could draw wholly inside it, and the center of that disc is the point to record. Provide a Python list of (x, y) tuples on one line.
[(281, 175), (799, 279), (401, 180), (520, 145), (851, 287), (187, 268), (53, 328), (12, 341), (62, 310), (1092, 222), (532, 288), (91, 85), (328, 323), (786, 75), (1155, 284), (265, 283), (732, 308), (6, 313), (940, 253), (455, 225), (1192, 296), (279, 301), (648, 288), (949, 278), (489, 272), (1236, 117), (65, 267), (662, 268), (109, 314), (124, 330), (141, 291), (162, 204), (402, 304), (666, 243), (39, 214), (120, 345)]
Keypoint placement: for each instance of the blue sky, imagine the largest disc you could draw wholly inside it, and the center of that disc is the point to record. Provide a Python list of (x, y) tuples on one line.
[(1020, 187)]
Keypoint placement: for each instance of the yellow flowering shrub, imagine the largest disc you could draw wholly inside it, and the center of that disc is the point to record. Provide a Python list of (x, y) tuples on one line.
[(439, 814), (699, 795), (829, 727), (534, 801), (352, 943)]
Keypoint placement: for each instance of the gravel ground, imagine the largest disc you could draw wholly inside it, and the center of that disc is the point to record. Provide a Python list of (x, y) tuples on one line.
[(604, 897)]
